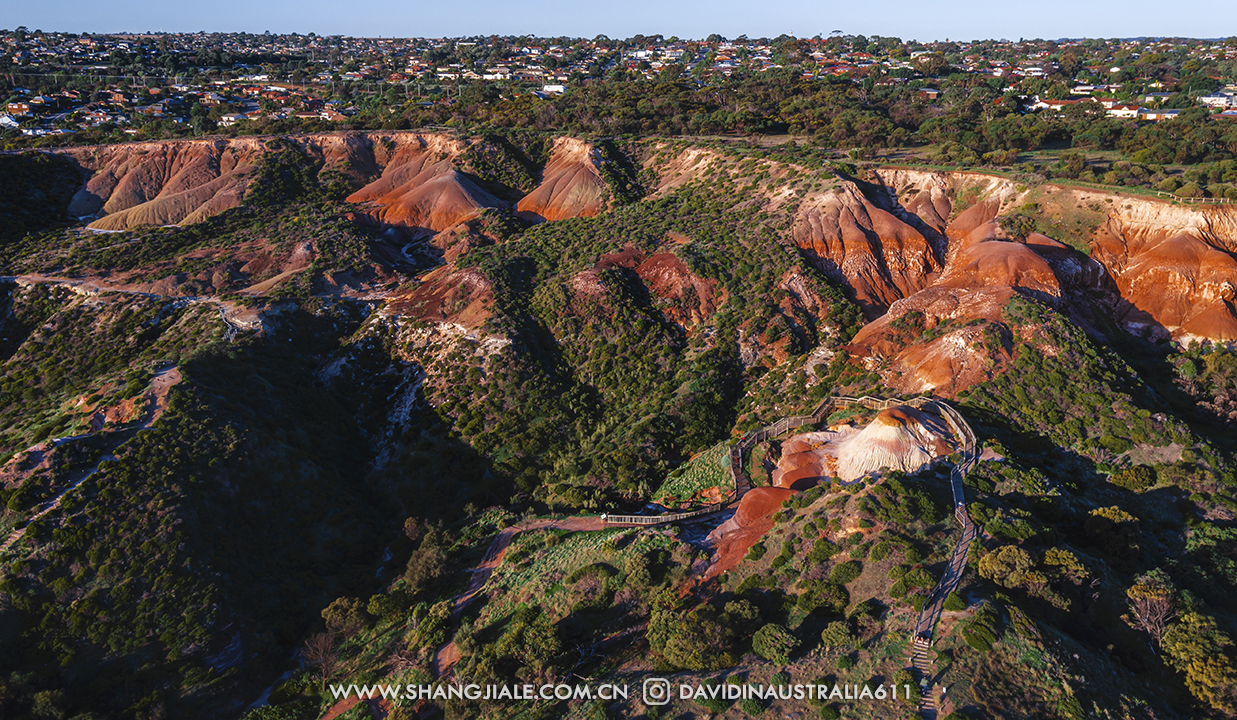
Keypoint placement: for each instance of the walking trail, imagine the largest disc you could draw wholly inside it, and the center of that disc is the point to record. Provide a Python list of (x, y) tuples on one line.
[(448, 655), (157, 399)]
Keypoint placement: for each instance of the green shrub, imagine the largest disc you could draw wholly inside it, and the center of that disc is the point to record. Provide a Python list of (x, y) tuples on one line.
[(712, 704), (981, 632), (1134, 479), (822, 550), (296, 710), (601, 569), (846, 572), (775, 643), (837, 634), (827, 596), (907, 687)]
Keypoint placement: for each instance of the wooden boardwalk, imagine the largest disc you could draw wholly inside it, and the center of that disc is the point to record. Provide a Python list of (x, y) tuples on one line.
[(920, 659)]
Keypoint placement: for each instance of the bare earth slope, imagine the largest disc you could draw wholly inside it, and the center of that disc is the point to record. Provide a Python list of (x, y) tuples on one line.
[(405, 179), (162, 183), (571, 184)]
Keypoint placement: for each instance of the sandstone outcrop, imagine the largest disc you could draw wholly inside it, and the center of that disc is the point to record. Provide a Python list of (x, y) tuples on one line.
[(571, 184), (1175, 269), (165, 183), (899, 438), (405, 179), (880, 257)]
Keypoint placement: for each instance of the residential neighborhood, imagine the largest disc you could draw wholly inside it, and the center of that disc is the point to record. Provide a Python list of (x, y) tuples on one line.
[(60, 83)]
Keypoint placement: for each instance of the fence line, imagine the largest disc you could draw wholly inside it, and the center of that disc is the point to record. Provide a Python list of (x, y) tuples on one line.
[(661, 519), (1201, 201), (740, 482)]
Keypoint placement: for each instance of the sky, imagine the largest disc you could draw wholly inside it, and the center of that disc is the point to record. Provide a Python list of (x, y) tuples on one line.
[(906, 19)]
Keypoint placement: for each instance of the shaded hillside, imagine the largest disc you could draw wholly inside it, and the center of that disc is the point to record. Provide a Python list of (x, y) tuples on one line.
[(34, 192)]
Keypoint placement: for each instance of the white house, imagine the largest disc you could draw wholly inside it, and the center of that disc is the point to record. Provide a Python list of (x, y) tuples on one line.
[(1220, 99)]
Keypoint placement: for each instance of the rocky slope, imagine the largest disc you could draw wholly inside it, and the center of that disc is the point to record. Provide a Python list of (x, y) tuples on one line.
[(946, 249), (932, 257), (165, 183), (882, 258), (403, 179), (571, 184), (1171, 265)]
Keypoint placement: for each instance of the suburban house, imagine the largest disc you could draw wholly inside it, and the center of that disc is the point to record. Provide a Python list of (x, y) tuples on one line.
[(1157, 115), (1058, 105), (1219, 99)]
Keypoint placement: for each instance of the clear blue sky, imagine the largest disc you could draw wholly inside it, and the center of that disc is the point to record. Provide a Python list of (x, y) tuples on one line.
[(919, 20)]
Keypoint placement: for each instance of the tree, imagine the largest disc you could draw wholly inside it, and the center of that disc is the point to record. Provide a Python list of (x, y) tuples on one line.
[(50, 704), (931, 65), (319, 654), (428, 563), (1007, 566), (1197, 647), (345, 616), (954, 602), (775, 643), (1134, 479), (1153, 601), (1067, 564)]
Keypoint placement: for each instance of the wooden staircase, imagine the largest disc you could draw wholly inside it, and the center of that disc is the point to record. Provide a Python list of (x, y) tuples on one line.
[(921, 669)]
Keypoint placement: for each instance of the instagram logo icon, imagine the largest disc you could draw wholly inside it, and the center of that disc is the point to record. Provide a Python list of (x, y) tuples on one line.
[(656, 691)]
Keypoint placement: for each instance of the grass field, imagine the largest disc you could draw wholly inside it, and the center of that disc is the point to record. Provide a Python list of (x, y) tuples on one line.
[(710, 468)]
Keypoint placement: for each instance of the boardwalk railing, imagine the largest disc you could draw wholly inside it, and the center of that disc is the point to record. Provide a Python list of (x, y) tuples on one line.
[(1198, 200), (925, 623), (753, 437), (739, 479), (664, 518)]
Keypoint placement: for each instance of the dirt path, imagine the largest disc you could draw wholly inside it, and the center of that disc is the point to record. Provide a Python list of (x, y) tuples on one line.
[(234, 317), (448, 655), (157, 398)]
